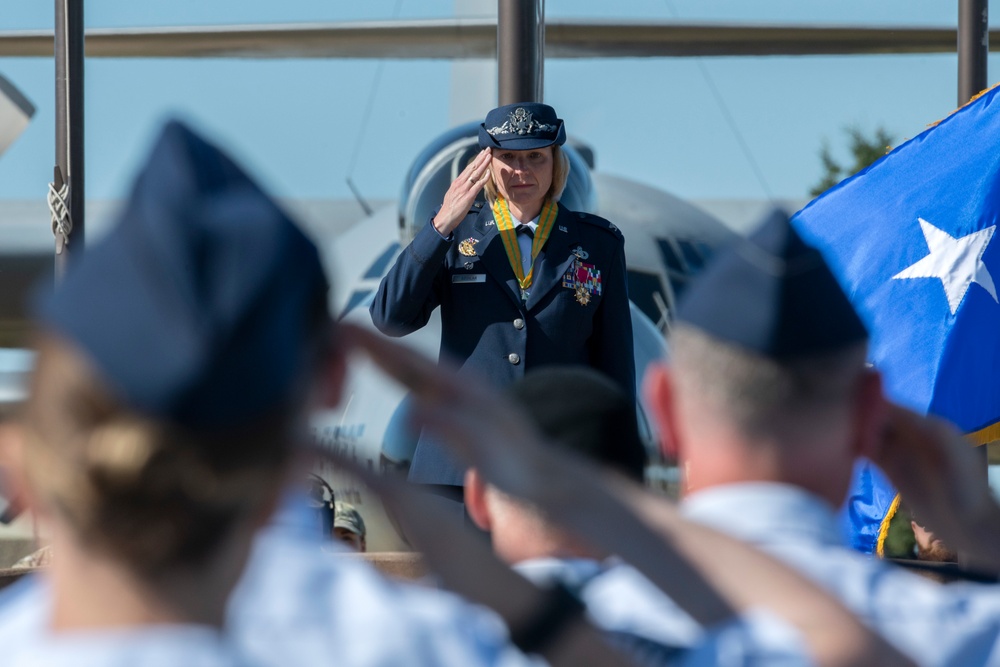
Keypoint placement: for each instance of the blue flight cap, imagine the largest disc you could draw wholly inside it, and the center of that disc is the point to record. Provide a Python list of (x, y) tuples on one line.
[(773, 295), (204, 302), (520, 127)]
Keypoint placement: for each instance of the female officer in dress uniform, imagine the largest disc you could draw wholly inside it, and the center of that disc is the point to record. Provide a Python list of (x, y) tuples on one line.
[(522, 282)]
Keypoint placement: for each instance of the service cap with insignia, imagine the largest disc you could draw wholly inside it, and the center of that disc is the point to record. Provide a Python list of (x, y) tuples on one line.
[(521, 127), (774, 295), (201, 304)]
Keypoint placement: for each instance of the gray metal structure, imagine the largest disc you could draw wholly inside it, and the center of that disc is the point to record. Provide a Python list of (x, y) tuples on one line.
[(520, 51), (973, 47), (16, 111), (69, 170), (477, 38)]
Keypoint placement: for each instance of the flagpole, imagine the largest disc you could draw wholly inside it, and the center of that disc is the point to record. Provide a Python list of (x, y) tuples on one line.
[(520, 50), (973, 49), (66, 193)]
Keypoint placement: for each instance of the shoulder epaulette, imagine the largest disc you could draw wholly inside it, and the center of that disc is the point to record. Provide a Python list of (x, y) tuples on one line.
[(600, 223), (475, 209)]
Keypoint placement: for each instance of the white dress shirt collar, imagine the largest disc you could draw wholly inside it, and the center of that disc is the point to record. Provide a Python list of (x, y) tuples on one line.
[(765, 512)]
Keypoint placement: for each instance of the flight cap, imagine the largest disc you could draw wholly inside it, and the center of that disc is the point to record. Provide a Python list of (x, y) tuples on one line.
[(202, 303), (347, 516), (586, 412), (523, 126), (773, 295)]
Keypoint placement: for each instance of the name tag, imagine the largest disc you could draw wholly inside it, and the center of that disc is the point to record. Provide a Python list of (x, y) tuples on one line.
[(469, 278)]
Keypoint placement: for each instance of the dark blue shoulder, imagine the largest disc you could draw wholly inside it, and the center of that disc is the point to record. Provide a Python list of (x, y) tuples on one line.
[(475, 218), (479, 218), (476, 211), (597, 222)]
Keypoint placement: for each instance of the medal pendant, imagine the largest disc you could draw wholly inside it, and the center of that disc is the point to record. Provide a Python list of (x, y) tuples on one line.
[(582, 295), (525, 294)]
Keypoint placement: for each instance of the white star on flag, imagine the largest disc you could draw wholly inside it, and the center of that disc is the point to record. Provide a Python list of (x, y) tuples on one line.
[(956, 262)]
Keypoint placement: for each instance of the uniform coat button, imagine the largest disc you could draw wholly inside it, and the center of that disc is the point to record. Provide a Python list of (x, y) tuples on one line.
[(514, 358), (519, 324)]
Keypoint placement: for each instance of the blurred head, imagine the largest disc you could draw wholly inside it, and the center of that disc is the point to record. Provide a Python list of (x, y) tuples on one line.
[(767, 378), (730, 415), (175, 366), (145, 492), (349, 527), (581, 411)]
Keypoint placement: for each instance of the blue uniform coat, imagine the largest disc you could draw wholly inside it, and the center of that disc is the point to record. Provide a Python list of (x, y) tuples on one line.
[(487, 328)]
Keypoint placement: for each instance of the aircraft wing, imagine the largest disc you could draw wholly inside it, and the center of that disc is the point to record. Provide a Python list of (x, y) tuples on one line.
[(15, 113), (476, 38)]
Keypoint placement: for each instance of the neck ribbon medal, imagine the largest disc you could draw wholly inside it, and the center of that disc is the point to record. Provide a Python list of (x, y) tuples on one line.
[(508, 234)]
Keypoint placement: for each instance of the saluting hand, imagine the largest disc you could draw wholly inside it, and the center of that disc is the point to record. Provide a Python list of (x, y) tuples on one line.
[(940, 477), (462, 193)]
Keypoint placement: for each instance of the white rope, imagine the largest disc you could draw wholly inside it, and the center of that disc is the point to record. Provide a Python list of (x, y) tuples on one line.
[(62, 225)]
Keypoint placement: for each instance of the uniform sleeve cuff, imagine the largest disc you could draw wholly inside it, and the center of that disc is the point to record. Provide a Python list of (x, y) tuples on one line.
[(449, 238)]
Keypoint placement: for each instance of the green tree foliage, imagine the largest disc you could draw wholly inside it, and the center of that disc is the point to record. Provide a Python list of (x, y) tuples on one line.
[(864, 150)]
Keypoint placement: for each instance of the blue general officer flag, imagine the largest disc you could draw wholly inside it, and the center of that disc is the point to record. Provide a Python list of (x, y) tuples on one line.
[(870, 504), (911, 239)]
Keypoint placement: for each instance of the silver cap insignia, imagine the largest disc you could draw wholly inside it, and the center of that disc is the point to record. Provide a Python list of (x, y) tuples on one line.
[(520, 122)]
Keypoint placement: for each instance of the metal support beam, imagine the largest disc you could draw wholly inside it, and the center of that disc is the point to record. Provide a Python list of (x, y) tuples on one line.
[(520, 50), (69, 54), (973, 48), (464, 38)]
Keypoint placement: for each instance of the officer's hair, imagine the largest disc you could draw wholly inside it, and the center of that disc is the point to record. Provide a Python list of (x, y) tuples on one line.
[(560, 174), (152, 495), (761, 396)]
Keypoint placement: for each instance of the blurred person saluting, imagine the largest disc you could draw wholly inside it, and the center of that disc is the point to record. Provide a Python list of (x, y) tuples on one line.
[(177, 364), (768, 404), (595, 420)]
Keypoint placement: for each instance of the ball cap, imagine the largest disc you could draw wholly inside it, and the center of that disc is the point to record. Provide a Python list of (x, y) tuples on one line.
[(348, 517), (520, 127), (201, 304), (774, 295), (586, 412)]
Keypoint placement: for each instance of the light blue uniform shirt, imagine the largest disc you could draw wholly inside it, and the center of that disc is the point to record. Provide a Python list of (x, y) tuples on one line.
[(644, 622), (935, 625), (296, 604), (25, 640)]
